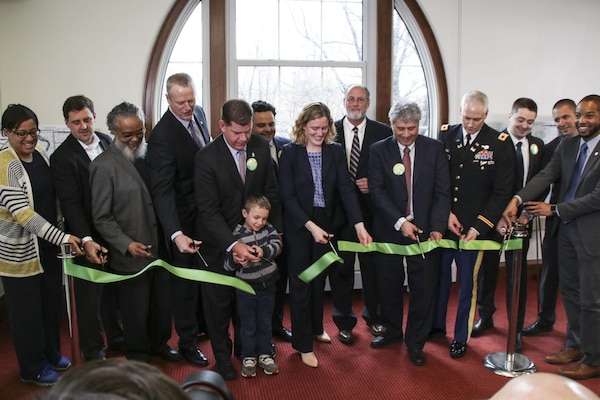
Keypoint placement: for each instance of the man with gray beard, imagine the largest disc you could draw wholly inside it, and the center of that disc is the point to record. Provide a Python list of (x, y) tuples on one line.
[(124, 214)]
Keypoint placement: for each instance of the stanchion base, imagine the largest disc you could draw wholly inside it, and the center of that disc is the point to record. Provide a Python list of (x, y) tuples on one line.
[(499, 364)]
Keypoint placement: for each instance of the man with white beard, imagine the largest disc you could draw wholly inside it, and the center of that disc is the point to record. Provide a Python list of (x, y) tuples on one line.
[(124, 214)]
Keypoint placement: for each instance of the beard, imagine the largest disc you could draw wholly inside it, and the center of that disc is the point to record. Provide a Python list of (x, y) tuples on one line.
[(129, 154), (355, 115)]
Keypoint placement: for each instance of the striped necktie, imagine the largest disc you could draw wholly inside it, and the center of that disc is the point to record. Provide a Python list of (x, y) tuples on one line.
[(354, 154)]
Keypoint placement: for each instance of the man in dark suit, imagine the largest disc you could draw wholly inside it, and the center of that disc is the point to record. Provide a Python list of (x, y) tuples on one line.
[(124, 213), (95, 304), (232, 167), (529, 156), (563, 113), (410, 188), (174, 142), (263, 124), (482, 170), (357, 133), (576, 164)]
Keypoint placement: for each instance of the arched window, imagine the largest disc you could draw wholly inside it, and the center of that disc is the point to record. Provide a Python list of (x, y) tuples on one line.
[(292, 52)]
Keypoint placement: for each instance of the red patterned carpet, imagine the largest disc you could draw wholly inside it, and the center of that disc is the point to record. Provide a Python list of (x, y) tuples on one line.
[(357, 372)]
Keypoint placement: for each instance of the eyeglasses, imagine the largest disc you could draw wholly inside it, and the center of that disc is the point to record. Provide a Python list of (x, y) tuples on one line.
[(129, 135), (23, 134), (359, 100)]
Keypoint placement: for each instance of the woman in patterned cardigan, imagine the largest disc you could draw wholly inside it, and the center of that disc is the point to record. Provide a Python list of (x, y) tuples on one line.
[(30, 271)]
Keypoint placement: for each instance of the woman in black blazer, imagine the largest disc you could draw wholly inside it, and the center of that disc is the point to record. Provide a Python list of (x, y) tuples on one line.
[(317, 194)]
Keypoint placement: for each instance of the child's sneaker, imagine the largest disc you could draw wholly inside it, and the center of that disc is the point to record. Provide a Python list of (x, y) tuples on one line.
[(62, 365), (47, 377), (266, 362), (249, 367)]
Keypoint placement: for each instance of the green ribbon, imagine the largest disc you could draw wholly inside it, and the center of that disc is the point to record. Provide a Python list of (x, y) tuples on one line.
[(94, 275), (319, 266), (429, 245)]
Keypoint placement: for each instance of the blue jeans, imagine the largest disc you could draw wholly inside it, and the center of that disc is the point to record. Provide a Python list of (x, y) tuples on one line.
[(255, 313)]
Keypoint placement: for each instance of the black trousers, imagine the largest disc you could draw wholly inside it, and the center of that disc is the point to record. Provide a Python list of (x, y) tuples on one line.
[(34, 306), (185, 300), (146, 309)]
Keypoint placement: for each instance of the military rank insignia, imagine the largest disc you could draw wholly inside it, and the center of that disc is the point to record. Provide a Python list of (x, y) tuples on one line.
[(502, 137), (444, 127)]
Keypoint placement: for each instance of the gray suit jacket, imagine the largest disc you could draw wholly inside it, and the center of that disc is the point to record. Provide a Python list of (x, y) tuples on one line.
[(122, 209), (586, 205)]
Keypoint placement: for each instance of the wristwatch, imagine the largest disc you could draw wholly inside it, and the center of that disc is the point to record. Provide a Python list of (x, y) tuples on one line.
[(554, 210)]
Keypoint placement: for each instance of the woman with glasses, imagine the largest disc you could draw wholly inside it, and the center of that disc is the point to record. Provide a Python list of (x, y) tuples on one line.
[(318, 198), (29, 268)]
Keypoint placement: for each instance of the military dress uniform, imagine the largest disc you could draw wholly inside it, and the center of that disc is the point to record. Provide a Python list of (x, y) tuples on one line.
[(481, 176)]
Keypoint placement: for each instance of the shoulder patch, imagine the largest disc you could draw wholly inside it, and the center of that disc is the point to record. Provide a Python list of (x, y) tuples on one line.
[(444, 127), (502, 137)]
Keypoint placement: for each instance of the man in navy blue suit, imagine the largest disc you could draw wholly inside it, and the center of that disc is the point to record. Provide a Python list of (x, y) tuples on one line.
[(358, 131), (410, 188), (263, 124), (179, 135)]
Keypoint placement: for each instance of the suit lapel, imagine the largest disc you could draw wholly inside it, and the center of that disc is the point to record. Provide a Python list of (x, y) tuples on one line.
[(230, 163), (128, 167), (591, 163)]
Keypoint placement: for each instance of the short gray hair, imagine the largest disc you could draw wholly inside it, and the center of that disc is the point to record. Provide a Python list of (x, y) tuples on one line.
[(406, 111), (125, 110)]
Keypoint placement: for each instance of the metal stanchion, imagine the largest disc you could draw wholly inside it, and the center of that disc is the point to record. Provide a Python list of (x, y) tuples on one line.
[(66, 252), (510, 363)]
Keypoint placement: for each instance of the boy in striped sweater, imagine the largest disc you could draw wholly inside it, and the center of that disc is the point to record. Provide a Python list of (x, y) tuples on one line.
[(255, 311)]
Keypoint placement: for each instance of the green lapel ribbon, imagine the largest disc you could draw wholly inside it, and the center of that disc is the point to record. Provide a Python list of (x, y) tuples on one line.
[(319, 266), (403, 250), (94, 275)]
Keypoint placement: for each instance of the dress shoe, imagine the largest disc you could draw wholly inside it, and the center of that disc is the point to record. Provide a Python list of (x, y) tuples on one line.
[(565, 356), (481, 326), (167, 353), (535, 329), (376, 329), (436, 333), (518, 343), (227, 371), (580, 371), (458, 349), (382, 341), (417, 357), (194, 356), (346, 337), (323, 338), (283, 333), (310, 359)]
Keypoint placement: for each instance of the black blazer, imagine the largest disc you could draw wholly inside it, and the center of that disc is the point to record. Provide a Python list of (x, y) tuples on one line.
[(297, 188), (430, 191), (220, 193), (170, 159), (537, 159), (374, 132), (71, 177)]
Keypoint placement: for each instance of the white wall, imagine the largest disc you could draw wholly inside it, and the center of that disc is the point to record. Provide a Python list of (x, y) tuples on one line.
[(52, 49), (545, 50)]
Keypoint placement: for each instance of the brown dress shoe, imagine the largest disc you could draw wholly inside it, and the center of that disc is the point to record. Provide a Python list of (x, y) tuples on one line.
[(565, 356), (579, 371)]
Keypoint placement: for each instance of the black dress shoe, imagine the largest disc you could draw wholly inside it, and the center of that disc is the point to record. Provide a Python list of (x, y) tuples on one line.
[(458, 349), (436, 333), (283, 333), (381, 341), (536, 328), (376, 329), (167, 353), (227, 371), (194, 356), (481, 326), (417, 357), (346, 337)]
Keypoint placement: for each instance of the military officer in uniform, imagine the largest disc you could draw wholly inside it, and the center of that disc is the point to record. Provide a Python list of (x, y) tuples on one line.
[(482, 169)]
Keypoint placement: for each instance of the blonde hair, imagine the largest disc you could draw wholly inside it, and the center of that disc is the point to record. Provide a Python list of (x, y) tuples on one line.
[(310, 112)]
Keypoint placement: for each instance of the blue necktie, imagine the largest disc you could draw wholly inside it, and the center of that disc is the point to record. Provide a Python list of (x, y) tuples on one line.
[(577, 172)]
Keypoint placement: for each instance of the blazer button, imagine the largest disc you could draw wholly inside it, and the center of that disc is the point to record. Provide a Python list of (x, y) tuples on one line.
[(455, 199)]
